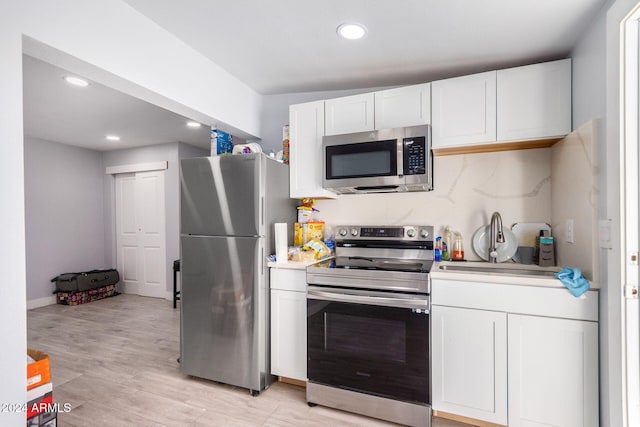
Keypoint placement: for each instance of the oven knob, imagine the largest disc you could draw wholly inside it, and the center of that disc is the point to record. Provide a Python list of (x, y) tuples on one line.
[(354, 232), (411, 232), (424, 234), (342, 232)]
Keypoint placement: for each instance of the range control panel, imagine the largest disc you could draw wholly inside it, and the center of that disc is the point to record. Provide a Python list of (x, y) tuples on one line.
[(387, 233)]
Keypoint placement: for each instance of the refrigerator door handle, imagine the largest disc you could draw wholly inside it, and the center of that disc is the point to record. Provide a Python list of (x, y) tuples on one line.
[(262, 210)]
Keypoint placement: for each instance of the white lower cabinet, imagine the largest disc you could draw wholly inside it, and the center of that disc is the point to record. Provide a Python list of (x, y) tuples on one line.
[(288, 323), (522, 356), (469, 363), (553, 372)]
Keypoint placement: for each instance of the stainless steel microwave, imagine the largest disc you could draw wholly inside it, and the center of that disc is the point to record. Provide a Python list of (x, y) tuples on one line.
[(382, 161)]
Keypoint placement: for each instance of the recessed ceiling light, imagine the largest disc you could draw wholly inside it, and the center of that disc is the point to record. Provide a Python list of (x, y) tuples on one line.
[(76, 81), (351, 31), (193, 124), (113, 137)]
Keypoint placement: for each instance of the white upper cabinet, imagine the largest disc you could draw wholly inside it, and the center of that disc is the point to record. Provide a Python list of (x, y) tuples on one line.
[(403, 106), (534, 101), (464, 110), (306, 128), (349, 114)]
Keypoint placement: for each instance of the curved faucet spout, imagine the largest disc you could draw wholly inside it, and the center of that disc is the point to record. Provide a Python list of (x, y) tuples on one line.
[(496, 236)]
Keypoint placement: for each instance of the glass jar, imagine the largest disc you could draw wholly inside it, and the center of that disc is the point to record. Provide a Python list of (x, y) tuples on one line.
[(458, 248)]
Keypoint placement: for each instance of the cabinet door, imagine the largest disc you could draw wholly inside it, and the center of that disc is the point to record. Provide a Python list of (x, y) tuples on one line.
[(306, 128), (534, 101), (463, 110), (403, 106), (289, 334), (349, 114), (469, 363), (553, 372)]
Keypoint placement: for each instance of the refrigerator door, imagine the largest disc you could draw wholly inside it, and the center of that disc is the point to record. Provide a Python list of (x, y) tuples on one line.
[(220, 196), (223, 315)]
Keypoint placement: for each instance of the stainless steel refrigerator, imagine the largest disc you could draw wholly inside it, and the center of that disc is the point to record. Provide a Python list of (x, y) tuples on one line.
[(228, 205)]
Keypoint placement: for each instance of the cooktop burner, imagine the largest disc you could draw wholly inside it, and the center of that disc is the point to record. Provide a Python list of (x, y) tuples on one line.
[(378, 257)]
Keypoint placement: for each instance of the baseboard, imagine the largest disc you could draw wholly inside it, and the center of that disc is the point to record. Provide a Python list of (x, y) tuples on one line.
[(293, 381), (41, 302), (466, 420)]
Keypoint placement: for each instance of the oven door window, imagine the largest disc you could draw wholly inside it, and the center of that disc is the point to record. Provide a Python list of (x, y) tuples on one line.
[(366, 159), (382, 351)]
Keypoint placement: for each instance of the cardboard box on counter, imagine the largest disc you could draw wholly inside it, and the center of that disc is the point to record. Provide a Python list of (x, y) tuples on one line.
[(302, 233)]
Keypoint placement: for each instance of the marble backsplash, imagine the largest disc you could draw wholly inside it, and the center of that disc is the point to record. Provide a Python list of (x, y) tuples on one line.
[(550, 185), (574, 197), (468, 189)]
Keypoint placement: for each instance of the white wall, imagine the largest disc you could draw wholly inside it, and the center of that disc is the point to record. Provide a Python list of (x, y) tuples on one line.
[(12, 240), (64, 215), (596, 94)]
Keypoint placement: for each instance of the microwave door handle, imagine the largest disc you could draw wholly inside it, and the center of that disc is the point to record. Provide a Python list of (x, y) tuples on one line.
[(400, 156)]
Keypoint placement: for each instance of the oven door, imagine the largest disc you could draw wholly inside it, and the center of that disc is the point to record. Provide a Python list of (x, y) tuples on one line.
[(371, 342)]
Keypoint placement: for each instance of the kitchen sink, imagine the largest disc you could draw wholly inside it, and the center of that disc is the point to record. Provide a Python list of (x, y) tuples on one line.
[(509, 269)]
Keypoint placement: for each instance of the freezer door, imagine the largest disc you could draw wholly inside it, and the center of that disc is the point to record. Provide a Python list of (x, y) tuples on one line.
[(220, 196), (223, 313)]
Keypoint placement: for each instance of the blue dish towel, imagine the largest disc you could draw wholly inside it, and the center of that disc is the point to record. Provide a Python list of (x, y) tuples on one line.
[(574, 281)]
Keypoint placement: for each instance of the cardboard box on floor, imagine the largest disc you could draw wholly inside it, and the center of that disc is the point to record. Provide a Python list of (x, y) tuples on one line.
[(38, 372)]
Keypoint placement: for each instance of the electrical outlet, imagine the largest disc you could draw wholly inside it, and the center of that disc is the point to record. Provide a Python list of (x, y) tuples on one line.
[(568, 231)]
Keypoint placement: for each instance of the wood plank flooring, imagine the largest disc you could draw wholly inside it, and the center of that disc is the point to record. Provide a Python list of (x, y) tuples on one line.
[(114, 362)]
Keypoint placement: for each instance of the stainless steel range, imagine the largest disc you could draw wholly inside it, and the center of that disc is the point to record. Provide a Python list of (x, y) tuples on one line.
[(368, 340)]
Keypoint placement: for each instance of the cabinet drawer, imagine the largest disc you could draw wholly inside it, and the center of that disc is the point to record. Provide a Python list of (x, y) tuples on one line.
[(287, 279), (520, 299)]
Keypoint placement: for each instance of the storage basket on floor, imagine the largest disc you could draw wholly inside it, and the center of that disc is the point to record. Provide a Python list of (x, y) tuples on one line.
[(82, 297)]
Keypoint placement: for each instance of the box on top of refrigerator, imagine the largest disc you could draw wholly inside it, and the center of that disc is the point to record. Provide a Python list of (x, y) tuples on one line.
[(221, 142)]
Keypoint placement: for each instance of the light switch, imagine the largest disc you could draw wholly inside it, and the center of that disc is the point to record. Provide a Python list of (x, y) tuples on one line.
[(604, 234), (568, 230)]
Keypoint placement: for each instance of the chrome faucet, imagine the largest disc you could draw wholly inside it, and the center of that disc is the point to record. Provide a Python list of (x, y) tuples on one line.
[(496, 235)]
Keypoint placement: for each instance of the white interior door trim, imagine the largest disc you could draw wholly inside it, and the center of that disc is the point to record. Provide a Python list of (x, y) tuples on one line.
[(138, 167), (630, 211)]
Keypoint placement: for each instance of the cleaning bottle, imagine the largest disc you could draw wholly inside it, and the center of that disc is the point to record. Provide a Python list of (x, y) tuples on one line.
[(437, 251), (446, 244)]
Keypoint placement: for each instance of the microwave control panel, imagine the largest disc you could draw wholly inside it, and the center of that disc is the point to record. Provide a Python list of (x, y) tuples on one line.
[(414, 156)]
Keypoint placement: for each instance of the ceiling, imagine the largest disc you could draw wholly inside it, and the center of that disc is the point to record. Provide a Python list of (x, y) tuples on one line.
[(281, 46), (82, 116), (285, 46)]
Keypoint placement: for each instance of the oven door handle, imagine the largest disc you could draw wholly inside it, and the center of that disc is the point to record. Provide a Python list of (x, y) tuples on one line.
[(418, 304)]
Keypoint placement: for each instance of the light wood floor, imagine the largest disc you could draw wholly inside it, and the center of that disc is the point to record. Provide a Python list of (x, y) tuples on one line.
[(114, 361)]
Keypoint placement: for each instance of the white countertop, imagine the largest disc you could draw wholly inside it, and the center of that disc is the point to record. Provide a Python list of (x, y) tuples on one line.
[(293, 265), (511, 279)]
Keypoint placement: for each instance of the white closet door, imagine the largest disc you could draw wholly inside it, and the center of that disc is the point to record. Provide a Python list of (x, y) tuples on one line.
[(140, 233)]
